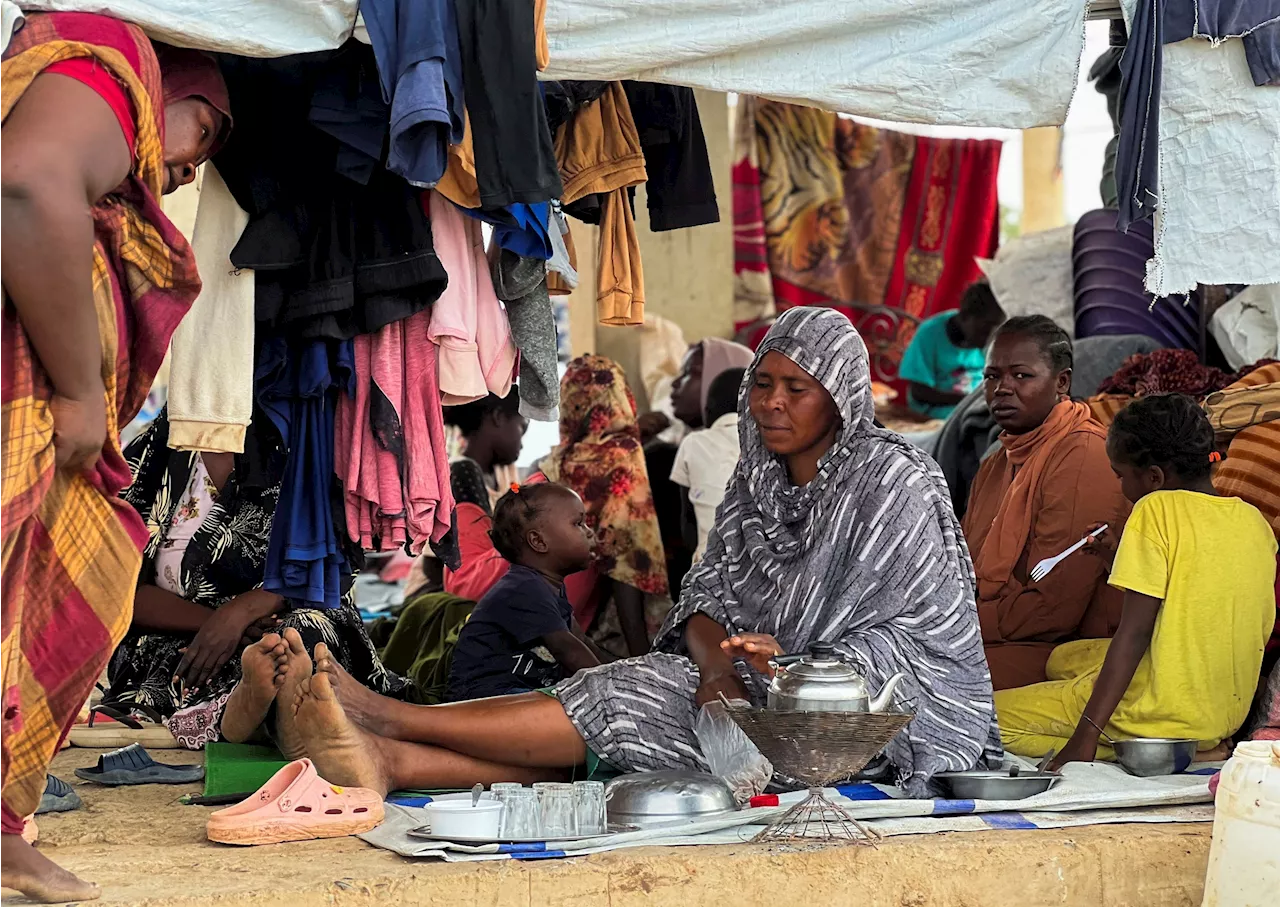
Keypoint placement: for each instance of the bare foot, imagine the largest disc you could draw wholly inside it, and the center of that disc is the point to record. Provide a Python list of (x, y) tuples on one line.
[(342, 753), (297, 671), (262, 670), (362, 705), (39, 878)]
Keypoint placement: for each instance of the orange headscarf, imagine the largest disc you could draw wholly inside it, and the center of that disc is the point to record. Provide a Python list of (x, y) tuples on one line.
[(1029, 454)]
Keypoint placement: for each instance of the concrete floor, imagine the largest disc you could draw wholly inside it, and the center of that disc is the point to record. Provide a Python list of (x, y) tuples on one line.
[(144, 848)]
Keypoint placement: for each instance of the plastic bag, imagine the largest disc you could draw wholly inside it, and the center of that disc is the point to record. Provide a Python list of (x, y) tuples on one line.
[(730, 753), (1032, 275), (1247, 327)]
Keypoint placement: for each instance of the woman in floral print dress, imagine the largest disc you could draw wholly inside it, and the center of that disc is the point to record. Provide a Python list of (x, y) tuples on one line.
[(199, 598), (623, 598)]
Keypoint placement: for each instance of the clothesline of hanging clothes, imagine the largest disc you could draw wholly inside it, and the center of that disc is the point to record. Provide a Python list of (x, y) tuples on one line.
[(343, 225), (1212, 159), (1200, 128)]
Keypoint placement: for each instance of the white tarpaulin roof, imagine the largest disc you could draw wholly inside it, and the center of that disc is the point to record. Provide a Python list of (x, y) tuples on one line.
[(250, 28), (1001, 63), (1008, 63)]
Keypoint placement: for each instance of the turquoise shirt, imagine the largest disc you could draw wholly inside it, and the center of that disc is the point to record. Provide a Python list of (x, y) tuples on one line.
[(933, 360)]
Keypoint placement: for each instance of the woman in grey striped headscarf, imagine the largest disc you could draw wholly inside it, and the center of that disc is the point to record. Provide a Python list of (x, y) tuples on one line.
[(864, 551), (831, 530)]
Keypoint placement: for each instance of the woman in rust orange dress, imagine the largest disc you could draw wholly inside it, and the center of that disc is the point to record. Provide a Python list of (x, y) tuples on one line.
[(1048, 484)]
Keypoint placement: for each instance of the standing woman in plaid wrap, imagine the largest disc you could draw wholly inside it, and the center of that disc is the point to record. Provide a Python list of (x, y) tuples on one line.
[(97, 124)]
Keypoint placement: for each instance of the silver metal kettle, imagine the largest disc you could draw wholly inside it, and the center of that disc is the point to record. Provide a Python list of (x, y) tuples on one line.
[(821, 682)]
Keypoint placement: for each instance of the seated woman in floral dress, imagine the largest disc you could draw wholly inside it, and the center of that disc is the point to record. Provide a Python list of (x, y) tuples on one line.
[(199, 599)]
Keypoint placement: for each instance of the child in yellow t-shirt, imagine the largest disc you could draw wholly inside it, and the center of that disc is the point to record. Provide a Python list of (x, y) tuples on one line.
[(1198, 571)]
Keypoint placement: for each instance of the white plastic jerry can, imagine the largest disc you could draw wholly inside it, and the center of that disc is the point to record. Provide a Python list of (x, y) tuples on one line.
[(1244, 858)]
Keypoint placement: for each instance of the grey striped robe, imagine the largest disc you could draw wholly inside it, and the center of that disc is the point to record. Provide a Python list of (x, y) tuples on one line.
[(869, 556)]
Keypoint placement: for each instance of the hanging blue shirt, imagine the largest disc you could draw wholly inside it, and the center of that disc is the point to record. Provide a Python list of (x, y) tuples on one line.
[(420, 66), (297, 384), (522, 229)]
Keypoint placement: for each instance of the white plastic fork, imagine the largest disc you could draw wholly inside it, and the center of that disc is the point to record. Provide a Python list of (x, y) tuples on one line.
[(1042, 569)]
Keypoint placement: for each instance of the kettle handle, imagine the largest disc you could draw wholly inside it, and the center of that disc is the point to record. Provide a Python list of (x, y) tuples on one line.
[(821, 650), (781, 661)]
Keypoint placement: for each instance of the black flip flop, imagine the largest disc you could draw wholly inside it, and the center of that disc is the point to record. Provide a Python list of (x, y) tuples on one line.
[(58, 797), (127, 722), (134, 765)]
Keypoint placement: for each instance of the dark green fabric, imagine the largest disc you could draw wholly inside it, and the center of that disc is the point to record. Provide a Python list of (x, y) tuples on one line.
[(380, 630), (421, 646), (598, 769), (239, 768)]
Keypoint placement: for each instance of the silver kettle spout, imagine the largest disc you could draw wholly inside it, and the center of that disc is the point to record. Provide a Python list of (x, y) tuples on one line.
[(885, 696)]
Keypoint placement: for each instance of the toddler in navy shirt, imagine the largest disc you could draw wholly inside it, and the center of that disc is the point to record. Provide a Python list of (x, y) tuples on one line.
[(522, 635)]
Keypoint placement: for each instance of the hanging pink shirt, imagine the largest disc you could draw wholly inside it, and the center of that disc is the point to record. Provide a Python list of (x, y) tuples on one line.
[(389, 446), (477, 354)]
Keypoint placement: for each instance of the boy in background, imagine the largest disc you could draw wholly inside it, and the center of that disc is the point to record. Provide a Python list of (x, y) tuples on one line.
[(944, 361)]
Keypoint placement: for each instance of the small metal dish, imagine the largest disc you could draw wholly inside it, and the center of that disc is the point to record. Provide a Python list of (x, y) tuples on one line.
[(997, 785), (652, 799), (1148, 756)]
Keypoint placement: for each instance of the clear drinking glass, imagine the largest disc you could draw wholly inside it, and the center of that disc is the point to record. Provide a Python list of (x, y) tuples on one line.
[(521, 818), (502, 788), (588, 807), (555, 800)]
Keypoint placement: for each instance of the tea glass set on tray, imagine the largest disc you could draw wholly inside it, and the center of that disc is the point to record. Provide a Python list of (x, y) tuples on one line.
[(513, 813), (821, 725)]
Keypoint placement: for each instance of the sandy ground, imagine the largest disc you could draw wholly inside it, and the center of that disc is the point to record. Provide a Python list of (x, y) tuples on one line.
[(145, 848)]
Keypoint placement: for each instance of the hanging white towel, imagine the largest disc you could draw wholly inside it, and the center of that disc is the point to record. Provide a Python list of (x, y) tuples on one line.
[(1217, 222), (211, 356)]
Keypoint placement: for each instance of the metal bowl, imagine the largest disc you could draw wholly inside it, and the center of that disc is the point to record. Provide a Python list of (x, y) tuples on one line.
[(649, 799), (1147, 756), (997, 785)]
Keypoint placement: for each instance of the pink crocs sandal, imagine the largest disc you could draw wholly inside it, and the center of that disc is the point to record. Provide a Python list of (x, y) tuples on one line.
[(297, 805)]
